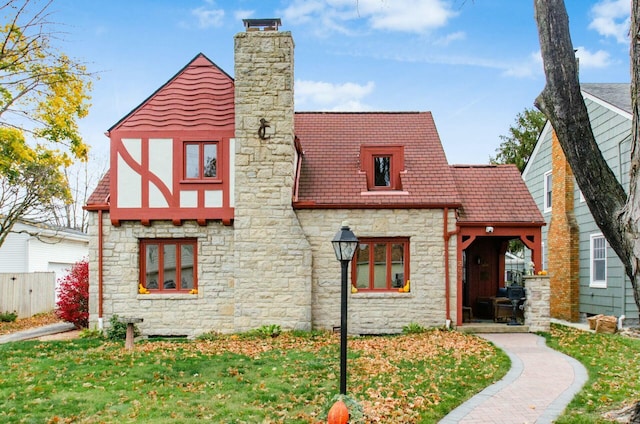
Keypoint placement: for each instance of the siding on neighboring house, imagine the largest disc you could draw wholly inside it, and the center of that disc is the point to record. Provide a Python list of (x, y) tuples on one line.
[(613, 133), (534, 175), (611, 124), (54, 250)]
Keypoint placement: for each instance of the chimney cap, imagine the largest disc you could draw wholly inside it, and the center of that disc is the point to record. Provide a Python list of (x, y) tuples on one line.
[(265, 23)]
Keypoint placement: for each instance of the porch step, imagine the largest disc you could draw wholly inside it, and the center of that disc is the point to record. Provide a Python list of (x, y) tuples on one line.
[(490, 327)]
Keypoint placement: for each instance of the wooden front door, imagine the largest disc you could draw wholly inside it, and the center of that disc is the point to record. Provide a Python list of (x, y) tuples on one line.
[(482, 276)]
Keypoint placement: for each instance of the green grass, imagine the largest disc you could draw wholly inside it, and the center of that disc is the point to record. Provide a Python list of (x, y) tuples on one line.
[(291, 378), (614, 372)]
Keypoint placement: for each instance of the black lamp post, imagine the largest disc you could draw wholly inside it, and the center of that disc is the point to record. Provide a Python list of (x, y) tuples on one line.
[(345, 244)]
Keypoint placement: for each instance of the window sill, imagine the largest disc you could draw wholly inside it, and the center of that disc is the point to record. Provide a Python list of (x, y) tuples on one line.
[(381, 294), (168, 296), (384, 193)]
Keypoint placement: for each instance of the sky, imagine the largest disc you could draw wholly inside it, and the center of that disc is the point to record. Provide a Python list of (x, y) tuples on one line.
[(475, 64)]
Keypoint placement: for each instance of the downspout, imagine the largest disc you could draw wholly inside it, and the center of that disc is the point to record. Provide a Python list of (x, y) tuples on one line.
[(447, 235), (100, 320)]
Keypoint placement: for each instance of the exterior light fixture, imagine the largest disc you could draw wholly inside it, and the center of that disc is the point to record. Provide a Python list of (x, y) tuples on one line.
[(345, 244)]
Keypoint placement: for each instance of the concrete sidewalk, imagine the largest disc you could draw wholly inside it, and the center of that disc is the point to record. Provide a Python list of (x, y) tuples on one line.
[(539, 386), (34, 333)]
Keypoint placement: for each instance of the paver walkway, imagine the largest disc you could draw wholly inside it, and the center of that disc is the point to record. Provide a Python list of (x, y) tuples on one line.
[(537, 389)]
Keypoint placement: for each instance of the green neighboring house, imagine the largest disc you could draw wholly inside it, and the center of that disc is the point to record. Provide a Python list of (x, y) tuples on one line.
[(586, 276)]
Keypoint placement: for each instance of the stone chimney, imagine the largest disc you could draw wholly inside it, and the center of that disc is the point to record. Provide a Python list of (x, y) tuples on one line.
[(563, 240), (273, 259)]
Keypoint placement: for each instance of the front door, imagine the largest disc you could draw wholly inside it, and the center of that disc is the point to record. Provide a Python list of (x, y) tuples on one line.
[(482, 261)]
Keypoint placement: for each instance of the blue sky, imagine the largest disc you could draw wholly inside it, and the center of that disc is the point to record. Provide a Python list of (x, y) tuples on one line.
[(475, 64)]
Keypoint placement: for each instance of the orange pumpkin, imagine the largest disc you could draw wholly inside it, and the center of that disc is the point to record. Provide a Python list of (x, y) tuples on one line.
[(338, 414)]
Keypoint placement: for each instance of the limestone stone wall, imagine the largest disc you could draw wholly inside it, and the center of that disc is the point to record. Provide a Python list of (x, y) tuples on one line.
[(212, 309), (537, 306), (273, 258), (385, 312)]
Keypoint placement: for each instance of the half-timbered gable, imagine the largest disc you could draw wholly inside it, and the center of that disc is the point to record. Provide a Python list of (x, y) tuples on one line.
[(170, 157)]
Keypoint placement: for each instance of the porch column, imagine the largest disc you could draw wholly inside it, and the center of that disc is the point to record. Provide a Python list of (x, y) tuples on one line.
[(537, 307)]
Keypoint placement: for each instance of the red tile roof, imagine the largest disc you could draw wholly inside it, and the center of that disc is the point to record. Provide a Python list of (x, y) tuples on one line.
[(200, 96), (494, 194), (100, 195), (330, 175)]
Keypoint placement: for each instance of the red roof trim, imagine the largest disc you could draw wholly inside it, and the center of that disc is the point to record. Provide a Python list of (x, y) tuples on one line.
[(313, 205)]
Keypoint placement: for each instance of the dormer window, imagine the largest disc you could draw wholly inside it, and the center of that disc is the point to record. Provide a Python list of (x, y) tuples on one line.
[(382, 171), (383, 165), (200, 160)]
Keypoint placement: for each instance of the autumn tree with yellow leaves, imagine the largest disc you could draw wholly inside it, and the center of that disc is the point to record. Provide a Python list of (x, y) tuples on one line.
[(43, 93)]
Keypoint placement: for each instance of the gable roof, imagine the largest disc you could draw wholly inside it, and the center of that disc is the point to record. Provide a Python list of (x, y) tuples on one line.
[(494, 194), (331, 174), (614, 96), (618, 95), (100, 195), (199, 96)]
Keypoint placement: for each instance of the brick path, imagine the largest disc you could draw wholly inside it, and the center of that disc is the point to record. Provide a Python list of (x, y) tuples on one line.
[(537, 389)]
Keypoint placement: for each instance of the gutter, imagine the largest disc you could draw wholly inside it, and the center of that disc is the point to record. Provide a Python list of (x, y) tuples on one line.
[(447, 280)]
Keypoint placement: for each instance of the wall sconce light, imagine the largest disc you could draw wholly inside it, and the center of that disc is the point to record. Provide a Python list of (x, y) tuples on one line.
[(262, 131), (489, 229)]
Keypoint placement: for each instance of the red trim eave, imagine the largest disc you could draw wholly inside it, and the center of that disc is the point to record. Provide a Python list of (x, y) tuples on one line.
[(96, 207), (310, 204), (501, 224)]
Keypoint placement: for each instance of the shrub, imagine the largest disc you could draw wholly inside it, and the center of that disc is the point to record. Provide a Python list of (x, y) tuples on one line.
[(272, 330), (91, 334), (73, 295), (413, 328), (118, 330), (8, 316)]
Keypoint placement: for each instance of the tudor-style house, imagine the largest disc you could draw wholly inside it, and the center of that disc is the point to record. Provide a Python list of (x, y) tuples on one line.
[(219, 207)]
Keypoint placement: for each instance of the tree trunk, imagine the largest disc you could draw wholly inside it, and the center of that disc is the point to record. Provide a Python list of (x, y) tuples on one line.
[(617, 216)]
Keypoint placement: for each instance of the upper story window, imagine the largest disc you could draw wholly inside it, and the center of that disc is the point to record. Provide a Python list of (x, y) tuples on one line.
[(168, 265), (383, 165), (547, 191), (381, 263), (598, 266), (200, 160)]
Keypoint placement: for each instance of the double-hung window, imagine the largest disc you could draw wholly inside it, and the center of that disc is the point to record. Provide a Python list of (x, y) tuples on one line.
[(381, 263), (598, 265), (168, 265), (201, 161), (547, 191)]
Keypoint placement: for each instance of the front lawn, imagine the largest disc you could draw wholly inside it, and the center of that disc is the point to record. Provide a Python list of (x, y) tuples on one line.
[(614, 372), (292, 378)]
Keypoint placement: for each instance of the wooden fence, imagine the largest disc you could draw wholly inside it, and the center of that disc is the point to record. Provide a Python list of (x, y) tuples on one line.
[(27, 293)]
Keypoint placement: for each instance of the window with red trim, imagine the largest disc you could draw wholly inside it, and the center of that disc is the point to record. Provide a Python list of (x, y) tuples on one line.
[(383, 165), (168, 265), (200, 160), (381, 263)]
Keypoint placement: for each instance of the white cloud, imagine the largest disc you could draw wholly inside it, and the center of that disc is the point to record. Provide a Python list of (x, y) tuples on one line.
[(318, 95), (243, 14), (418, 16), (528, 68), (611, 19), (406, 15), (587, 59), (450, 38), (208, 18)]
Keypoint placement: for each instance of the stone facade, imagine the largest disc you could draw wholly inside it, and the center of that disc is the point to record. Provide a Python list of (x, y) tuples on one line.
[(212, 309), (536, 307), (563, 240), (388, 312)]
